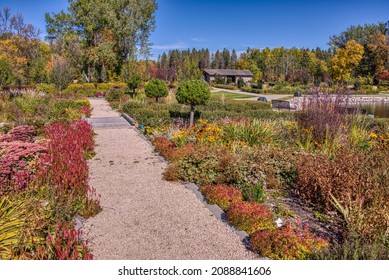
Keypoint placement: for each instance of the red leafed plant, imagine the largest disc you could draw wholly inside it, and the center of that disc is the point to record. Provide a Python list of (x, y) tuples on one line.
[(169, 150), (66, 242), (18, 164), (65, 164), (86, 111), (384, 76), (221, 195), (287, 243), (250, 216), (22, 133)]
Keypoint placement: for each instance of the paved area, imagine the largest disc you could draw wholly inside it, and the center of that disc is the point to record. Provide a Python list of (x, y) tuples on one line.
[(108, 122), (144, 216), (255, 96)]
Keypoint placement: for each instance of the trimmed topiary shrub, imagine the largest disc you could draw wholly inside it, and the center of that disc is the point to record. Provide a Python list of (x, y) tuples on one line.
[(250, 216), (193, 93), (221, 195), (156, 88)]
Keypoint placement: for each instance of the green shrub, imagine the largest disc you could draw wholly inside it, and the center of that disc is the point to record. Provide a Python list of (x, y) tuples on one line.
[(220, 79), (201, 166), (114, 94), (46, 88), (156, 88), (105, 87), (150, 117), (232, 87), (193, 93), (253, 90), (240, 83), (86, 89)]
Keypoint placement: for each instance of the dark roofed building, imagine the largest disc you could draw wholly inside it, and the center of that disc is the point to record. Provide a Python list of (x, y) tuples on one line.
[(234, 75)]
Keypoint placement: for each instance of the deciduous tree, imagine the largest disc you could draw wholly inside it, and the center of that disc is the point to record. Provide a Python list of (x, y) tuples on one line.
[(345, 60)]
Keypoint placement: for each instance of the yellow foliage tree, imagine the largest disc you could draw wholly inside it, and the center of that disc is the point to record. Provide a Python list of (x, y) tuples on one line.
[(345, 60), (11, 52)]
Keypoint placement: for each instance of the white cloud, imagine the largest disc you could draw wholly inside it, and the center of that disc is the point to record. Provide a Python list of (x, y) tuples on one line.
[(199, 39), (176, 45)]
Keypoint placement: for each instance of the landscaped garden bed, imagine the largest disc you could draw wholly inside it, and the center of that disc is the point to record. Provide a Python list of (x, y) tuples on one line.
[(319, 173), (44, 147)]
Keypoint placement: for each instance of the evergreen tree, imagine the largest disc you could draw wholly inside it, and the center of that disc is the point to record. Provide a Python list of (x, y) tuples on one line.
[(193, 93), (156, 88), (234, 58)]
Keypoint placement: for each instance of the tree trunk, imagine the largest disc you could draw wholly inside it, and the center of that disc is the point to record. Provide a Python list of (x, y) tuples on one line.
[(192, 108), (156, 99)]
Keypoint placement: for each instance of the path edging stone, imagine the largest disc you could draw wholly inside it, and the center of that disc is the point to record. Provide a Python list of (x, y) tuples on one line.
[(219, 214)]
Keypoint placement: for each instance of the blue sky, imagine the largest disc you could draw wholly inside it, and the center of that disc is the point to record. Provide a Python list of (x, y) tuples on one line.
[(218, 24)]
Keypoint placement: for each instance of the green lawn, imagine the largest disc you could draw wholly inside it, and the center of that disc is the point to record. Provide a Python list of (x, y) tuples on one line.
[(228, 95)]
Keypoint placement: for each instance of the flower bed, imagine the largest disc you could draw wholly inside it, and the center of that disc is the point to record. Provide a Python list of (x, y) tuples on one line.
[(45, 183), (332, 162)]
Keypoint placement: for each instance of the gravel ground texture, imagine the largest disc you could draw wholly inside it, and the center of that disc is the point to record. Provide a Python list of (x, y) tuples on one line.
[(145, 217)]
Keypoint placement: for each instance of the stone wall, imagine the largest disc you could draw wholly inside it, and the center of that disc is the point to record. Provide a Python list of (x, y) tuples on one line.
[(297, 102)]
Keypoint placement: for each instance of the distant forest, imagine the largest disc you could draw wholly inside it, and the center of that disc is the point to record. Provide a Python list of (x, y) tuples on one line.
[(100, 47)]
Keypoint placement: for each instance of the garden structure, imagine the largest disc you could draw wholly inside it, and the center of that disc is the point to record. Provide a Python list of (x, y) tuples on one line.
[(227, 74)]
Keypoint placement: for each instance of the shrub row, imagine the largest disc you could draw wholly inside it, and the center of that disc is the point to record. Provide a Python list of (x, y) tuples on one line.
[(231, 87), (89, 89), (160, 114)]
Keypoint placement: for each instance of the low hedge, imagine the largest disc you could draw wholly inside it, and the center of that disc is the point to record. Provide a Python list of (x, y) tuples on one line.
[(232, 87), (105, 87), (86, 89), (161, 114)]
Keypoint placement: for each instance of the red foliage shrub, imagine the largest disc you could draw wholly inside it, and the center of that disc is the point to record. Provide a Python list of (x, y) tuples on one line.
[(221, 195), (18, 164), (169, 150), (164, 146), (250, 216), (384, 76), (67, 245), (22, 133), (65, 165), (287, 243), (86, 111)]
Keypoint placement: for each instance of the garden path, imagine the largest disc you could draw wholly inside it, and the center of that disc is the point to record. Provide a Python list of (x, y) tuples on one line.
[(269, 97), (144, 216)]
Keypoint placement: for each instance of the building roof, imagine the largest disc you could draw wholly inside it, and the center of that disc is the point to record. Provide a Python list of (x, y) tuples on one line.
[(228, 72)]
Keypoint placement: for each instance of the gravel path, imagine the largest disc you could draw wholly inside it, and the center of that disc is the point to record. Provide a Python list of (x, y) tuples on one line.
[(144, 216)]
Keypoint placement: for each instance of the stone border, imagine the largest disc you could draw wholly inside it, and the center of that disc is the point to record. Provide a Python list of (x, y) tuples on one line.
[(219, 214)]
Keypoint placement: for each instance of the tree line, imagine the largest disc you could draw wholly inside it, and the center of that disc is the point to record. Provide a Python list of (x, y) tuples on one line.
[(359, 53), (103, 41)]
